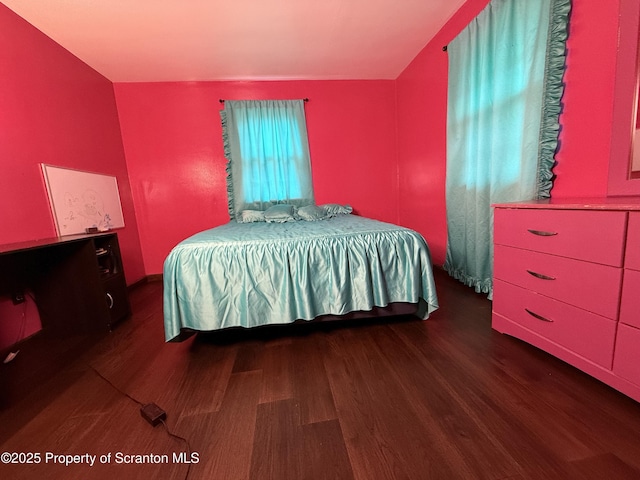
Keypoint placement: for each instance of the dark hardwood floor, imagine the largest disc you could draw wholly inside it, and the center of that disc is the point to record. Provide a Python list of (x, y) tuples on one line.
[(446, 398)]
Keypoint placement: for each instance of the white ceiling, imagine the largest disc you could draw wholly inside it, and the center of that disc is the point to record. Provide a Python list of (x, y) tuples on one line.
[(190, 40)]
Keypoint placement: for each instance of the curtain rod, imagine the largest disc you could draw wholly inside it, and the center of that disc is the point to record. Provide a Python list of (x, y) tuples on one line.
[(304, 100)]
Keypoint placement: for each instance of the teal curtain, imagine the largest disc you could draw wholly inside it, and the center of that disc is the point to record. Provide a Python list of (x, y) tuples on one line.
[(267, 149), (504, 101)]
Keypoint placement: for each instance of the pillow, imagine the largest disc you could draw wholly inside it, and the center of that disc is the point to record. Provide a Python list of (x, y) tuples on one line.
[(333, 209), (312, 213), (280, 213), (248, 216)]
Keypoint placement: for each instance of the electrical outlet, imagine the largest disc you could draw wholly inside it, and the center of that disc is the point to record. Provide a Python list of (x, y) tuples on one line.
[(17, 298)]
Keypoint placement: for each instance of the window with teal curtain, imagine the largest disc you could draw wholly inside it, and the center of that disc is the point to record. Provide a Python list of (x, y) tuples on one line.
[(504, 101), (267, 149)]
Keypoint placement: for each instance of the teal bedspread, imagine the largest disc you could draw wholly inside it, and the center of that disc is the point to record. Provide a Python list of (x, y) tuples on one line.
[(250, 274)]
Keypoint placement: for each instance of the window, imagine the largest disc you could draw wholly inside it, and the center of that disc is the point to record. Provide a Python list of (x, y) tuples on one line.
[(267, 150)]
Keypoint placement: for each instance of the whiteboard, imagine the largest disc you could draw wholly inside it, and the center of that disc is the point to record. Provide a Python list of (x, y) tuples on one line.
[(81, 200)]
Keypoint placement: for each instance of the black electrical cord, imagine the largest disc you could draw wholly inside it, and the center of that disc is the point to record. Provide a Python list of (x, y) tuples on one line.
[(169, 432)]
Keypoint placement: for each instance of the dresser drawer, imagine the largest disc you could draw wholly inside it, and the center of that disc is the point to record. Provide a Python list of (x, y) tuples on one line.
[(587, 334), (632, 255), (627, 361), (630, 301), (590, 286), (595, 236)]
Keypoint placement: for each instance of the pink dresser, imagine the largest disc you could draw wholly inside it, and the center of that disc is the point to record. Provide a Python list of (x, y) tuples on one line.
[(567, 280)]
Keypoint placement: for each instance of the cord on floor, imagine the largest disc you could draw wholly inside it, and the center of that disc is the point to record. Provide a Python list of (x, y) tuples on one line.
[(160, 419)]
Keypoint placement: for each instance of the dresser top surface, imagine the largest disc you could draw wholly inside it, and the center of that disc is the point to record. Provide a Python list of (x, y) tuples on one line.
[(577, 203)]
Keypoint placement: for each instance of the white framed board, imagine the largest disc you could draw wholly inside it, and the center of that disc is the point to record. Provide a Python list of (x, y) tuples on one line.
[(81, 200)]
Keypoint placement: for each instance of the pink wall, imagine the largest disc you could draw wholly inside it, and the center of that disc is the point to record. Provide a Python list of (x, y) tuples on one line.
[(173, 143), (583, 160), (53, 109), (56, 110), (18, 321)]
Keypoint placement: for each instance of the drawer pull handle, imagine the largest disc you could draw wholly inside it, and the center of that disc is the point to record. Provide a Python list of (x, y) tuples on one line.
[(538, 317), (540, 275), (542, 233), (110, 298)]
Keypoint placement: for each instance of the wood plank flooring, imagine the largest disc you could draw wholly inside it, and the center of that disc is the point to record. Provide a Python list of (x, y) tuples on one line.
[(447, 398)]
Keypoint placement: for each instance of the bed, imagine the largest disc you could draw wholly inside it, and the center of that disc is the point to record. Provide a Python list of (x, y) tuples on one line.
[(263, 273)]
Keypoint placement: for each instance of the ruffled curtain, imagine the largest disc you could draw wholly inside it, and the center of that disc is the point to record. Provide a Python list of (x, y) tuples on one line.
[(504, 101), (266, 145)]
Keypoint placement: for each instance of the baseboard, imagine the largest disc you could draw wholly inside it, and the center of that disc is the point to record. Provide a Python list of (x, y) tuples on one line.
[(143, 280), (137, 284)]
